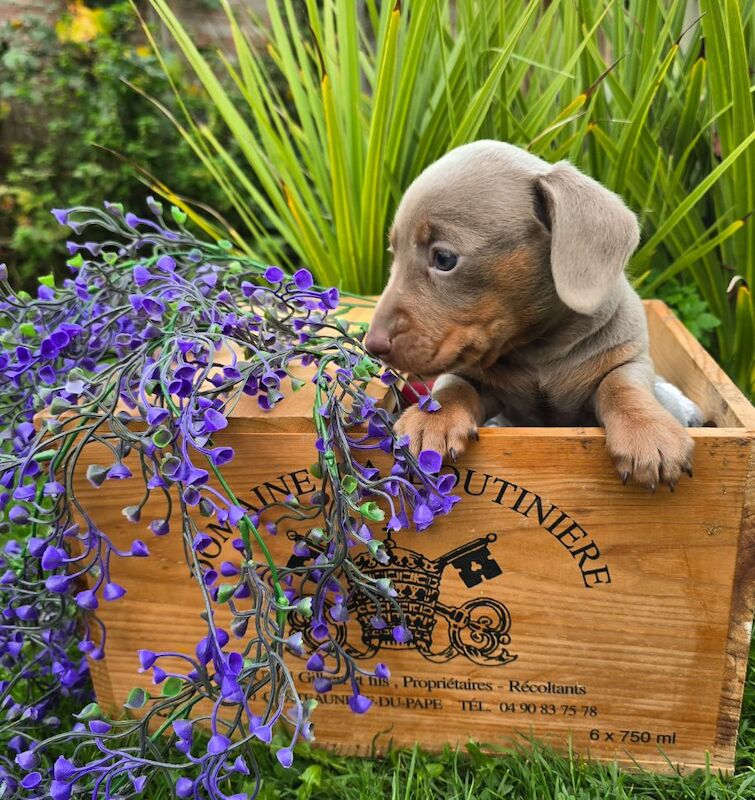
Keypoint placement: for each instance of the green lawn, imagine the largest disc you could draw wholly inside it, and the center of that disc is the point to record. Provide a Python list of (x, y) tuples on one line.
[(534, 774)]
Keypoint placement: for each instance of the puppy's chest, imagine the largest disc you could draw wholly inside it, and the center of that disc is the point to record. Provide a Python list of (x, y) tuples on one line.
[(532, 396)]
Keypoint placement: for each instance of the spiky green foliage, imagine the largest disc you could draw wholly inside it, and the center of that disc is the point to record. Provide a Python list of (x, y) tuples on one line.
[(653, 103)]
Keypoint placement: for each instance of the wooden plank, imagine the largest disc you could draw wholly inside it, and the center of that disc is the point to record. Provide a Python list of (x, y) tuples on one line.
[(647, 652), (628, 614), (678, 356)]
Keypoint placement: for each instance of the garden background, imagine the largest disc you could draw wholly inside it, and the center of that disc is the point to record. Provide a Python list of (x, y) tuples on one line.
[(294, 135)]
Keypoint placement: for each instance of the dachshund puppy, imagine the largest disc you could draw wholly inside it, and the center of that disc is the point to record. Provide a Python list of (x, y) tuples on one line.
[(508, 286)]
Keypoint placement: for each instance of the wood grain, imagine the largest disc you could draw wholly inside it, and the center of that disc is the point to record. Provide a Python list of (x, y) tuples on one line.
[(629, 614)]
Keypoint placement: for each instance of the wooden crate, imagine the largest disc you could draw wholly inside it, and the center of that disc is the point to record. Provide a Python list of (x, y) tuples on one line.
[(552, 601)]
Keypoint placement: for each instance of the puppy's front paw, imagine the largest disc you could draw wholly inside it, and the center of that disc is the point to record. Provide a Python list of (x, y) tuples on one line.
[(650, 451), (445, 431)]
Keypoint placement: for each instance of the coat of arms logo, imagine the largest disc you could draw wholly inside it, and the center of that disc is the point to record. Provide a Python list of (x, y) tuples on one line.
[(477, 630)]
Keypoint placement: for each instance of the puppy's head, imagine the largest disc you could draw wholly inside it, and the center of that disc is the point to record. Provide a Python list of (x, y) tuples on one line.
[(491, 247)]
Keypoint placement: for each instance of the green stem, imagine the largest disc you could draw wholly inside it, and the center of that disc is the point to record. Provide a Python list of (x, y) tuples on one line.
[(245, 527)]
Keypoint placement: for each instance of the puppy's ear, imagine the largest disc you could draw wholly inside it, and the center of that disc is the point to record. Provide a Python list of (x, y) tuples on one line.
[(592, 235)]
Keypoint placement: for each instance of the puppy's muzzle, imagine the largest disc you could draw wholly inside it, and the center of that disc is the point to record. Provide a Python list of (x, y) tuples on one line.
[(378, 342)]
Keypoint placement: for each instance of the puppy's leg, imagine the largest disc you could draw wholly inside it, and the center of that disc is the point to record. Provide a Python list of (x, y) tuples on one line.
[(645, 441), (448, 429)]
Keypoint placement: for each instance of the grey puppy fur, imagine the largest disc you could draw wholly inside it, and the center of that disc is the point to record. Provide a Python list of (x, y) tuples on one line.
[(508, 286)]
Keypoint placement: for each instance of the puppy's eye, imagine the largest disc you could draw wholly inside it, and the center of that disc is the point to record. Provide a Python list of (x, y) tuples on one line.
[(444, 260)]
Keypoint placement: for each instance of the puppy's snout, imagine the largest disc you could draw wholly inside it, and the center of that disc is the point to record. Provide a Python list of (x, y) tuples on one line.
[(377, 341)]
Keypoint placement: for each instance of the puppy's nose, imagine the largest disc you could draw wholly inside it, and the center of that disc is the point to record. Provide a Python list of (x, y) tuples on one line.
[(377, 342)]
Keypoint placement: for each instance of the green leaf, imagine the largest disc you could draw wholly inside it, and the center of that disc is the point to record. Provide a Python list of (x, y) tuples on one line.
[(27, 329), (162, 437), (172, 686), (137, 698), (225, 592), (47, 280), (372, 511), (179, 216), (349, 484), (90, 711), (76, 262)]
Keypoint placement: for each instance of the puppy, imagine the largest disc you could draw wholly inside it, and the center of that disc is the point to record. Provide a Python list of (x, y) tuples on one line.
[(508, 285)]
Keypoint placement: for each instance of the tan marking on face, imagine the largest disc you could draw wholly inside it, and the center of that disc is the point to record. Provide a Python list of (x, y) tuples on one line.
[(423, 232), (466, 321)]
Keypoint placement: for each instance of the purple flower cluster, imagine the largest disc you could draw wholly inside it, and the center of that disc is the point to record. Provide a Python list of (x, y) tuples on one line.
[(142, 354)]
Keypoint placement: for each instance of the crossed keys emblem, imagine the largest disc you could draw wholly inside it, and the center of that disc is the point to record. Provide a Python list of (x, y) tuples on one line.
[(477, 630)]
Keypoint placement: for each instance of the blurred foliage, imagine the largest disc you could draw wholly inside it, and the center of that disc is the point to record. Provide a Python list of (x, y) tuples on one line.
[(62, 95), (654, 103)]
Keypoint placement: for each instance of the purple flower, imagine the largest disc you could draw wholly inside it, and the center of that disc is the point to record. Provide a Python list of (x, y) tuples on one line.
[(428, 403), (59, 790), (166, 263), (430, 461), (240, 766), (61, 215), (52, 558), (156, 416), (401, 634), (274, 275), (285, 757), (218, 744), (160, 527), (87, 599), (315, 662), (147, 658), (303, 279), (264, 733), (119, 472), (63, 769), (201, 541), (19, 515), (382, 671), (184, 787), (184, 729), (422, 516), (139, 549), (214, 421), (359, 704), (27, 759), (32, 780), (142, 275), (113, 591), (58, 583)]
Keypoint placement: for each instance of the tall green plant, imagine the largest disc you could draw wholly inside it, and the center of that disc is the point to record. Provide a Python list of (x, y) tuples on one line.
[(659, 112)]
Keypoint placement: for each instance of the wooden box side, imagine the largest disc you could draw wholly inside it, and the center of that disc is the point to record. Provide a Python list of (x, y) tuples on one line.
[(650, 645), (704, 532), (682, 360)]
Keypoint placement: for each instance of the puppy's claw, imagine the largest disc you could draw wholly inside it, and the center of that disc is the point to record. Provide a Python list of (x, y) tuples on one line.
[(672, 486), (452, 453), (625, 477), (688, 471), (652, 488)]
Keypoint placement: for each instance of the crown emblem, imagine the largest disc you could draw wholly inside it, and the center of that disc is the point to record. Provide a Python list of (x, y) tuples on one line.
[(477, 630)]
